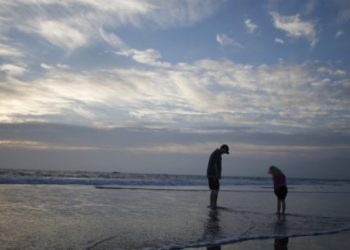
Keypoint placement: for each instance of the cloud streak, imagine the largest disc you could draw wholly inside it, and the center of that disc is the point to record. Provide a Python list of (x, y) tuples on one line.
[(10, 51), (295, 27), (37, 145), (44, 136), (279, 40), (12, 70), (281, 95), (225, 40), (240, 149), (74, 24)]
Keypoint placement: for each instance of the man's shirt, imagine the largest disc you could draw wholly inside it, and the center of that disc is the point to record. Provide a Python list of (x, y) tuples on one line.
[(214, 164)]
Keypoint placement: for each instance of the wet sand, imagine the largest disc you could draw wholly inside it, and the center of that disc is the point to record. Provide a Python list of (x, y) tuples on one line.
[(83, 217), (320, 242)]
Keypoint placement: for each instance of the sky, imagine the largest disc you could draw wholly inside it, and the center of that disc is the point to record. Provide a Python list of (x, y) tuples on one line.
[(155, 86)]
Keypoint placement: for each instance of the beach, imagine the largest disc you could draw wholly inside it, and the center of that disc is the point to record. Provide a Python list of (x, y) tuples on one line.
[(157, 216), (323, 242)]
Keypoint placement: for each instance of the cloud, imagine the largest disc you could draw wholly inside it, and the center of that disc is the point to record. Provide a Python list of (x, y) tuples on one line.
[(250, 25), (182, 13), (51, 67), (112, 39), (339, 33), (61, 34), (10, 51), (38, 145), (139, 142), (331, 72), (74, 24), (279, 40), (140, 149), (295, 27), (208, 93), (148, 57), (12, 70), (45, 66), (240, 149), (343, 12), (225, 40)]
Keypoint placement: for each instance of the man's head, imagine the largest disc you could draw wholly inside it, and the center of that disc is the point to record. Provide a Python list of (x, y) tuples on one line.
[(224, 149)]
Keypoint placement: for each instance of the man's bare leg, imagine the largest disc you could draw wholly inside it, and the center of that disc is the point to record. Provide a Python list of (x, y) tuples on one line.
[(214, 198)]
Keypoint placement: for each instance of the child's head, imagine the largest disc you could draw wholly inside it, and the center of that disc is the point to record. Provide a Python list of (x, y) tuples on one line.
[(274, 170)]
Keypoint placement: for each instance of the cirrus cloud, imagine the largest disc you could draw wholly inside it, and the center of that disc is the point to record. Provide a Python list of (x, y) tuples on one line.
[(210, 92), (74, 24)]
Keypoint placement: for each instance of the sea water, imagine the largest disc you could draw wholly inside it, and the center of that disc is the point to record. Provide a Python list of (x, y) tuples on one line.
[(85, 210)]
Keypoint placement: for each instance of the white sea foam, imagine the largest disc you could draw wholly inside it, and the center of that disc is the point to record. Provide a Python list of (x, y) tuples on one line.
[(162, 181)]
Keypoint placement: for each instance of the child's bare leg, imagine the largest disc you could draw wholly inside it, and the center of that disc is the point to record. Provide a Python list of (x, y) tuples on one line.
[(283, 206), (278, 206)]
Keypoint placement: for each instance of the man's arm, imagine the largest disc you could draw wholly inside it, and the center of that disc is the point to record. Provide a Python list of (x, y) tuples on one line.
[(217, 167)]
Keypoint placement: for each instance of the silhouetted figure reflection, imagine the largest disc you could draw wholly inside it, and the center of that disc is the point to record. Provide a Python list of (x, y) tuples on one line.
[(212, 228), (218, 247), (281, 242)]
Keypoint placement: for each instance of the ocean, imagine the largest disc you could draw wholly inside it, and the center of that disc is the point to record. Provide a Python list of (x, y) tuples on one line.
[(99, 210)]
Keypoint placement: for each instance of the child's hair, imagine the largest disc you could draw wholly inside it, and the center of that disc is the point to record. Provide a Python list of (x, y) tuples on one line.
[(275, 171)]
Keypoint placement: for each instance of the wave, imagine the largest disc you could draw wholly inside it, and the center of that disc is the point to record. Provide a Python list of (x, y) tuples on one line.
[(290, 226), (243, 189), (101, 181), (163, 181), (174, 184), (301, 225), (236, 239)]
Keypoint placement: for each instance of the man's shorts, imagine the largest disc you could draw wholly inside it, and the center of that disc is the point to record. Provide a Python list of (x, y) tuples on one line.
[(214, 183), (281, 192)]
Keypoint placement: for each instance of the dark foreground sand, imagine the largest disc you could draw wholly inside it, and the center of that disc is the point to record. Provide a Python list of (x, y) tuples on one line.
[(321, 242)]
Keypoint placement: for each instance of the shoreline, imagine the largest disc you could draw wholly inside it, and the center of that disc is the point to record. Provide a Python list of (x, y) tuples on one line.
[(332, 240)]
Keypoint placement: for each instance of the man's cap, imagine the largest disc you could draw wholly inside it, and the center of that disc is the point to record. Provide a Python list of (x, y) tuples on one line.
[(226, 148)]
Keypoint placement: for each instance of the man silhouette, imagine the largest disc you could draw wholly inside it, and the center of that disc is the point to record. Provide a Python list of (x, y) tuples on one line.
[(214, 173)]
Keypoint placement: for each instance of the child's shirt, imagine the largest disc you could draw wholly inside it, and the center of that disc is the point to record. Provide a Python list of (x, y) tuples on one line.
[(279, 181)]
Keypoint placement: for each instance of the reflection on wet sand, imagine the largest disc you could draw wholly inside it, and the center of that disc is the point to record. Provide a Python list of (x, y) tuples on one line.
[(212, 229), (281, 242), (217, 247)]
